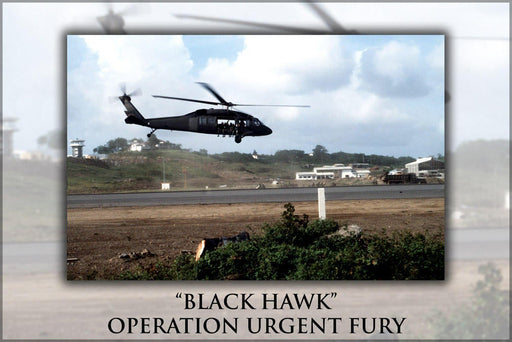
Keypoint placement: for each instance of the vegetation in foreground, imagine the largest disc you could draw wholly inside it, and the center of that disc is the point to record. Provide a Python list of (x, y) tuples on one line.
[(298, 249), (487, 317)]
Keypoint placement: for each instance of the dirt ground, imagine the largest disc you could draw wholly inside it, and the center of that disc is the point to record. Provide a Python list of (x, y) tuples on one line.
[(96, 237)]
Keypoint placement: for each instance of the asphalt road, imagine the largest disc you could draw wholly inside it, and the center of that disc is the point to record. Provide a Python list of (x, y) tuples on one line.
[(255, 196)]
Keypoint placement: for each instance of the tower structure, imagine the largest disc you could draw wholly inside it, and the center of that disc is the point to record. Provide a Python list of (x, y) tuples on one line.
[(6, 146), (77, 148)]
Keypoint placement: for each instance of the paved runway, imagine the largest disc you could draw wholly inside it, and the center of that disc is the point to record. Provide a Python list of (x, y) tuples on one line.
[(255, 196)]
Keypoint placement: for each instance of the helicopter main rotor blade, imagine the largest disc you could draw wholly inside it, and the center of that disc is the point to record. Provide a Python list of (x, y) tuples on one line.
[(278, 105), (274, 27), (221, 99), (211, 90), (184, 99), (328, 19)]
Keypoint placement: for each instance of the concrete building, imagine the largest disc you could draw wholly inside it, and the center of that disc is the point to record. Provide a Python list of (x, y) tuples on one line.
[(332, 172), (77, 148), (361, 173), (313, 175), (361, 166), (425, 167)]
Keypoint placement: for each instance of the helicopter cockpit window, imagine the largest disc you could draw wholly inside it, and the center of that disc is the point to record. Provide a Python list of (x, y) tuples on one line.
[(256, 122)]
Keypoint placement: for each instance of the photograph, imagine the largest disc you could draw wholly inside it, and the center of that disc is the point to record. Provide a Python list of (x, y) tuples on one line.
[(260, 157)]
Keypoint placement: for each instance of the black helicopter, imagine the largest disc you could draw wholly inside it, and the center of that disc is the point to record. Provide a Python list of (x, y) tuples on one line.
[(225, 122)]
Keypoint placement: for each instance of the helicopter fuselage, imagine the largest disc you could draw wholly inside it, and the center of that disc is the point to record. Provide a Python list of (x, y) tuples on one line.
[(212, 121)]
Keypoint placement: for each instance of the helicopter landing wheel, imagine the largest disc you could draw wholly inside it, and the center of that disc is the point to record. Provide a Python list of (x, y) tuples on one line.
[(238, 139), (150, 133)]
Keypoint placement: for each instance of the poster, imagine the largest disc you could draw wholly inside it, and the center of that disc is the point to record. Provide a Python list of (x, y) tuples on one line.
[(38, 301)]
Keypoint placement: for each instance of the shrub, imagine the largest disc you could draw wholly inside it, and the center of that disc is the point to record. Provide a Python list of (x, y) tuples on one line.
[(233, 261), (153, 271), (486, 317), (296, 249)]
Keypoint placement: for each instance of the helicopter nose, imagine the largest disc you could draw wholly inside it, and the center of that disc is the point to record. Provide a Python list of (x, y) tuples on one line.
[(266, 130)]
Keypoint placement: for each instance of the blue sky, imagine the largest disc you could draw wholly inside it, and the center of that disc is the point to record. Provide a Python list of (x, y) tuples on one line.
[(368, 94)]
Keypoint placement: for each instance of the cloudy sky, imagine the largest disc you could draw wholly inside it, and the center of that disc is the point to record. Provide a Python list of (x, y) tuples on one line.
[(371, 94)]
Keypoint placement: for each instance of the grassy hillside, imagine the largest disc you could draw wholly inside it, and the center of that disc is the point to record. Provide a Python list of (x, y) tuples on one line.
[(191, 170), (130, 171)]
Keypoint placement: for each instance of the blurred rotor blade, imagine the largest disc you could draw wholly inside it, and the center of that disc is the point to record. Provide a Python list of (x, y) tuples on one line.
[(113, 98), (184, 99), (136, 92), (211, 90), (133, 9), (274, 27), (328, 19)]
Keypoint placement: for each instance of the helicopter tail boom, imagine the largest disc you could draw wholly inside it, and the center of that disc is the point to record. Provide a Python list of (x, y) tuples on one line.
[(133, 116)]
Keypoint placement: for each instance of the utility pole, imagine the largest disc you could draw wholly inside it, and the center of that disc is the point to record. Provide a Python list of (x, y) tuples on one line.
[(185, 175), (163, 171)]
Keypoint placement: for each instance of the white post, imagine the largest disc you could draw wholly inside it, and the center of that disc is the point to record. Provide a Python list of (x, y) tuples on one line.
[(321, 203)]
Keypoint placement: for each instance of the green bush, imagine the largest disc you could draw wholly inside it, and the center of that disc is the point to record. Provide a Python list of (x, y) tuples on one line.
[(296, 249), (234, 261), (486, 317), (295, 230)]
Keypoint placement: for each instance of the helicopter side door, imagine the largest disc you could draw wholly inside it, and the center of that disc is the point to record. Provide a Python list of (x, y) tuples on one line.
[(207, 124)]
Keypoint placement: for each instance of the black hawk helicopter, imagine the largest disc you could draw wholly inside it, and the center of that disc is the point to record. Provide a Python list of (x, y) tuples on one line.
[(225, 122)]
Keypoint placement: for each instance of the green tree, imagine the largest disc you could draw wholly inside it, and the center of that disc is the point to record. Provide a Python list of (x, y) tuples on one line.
[(320, 154), (54, 139), (290, 156), (112, 146), (153, 142)]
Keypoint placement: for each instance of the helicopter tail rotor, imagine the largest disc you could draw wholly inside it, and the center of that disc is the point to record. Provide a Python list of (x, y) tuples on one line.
[(136, 92), (133, 116)]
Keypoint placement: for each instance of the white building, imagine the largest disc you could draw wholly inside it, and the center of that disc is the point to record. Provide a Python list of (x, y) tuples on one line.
[(425, 167), (136, 145), (363, 173), (30, 155), (361, 166), (332, 172)]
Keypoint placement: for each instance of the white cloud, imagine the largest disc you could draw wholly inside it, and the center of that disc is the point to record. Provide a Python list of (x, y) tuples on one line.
[(292, 64), (395, 69)]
